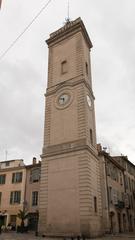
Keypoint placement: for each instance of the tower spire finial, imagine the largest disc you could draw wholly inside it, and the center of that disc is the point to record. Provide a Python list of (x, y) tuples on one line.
[(68, 9)]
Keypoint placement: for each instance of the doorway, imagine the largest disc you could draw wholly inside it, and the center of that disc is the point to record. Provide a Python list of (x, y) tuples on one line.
[(124, 222), (33, 221), (3, 220), (119, 222)]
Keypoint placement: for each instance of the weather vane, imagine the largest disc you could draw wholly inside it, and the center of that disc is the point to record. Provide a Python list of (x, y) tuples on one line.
[(68, 18)]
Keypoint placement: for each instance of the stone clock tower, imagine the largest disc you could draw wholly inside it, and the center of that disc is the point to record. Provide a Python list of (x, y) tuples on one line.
[(70, 193)]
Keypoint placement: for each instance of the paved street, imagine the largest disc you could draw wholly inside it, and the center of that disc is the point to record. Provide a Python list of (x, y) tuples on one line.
[(29, 236)]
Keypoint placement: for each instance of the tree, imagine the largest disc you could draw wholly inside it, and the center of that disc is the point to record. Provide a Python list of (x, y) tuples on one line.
[(22, 215)]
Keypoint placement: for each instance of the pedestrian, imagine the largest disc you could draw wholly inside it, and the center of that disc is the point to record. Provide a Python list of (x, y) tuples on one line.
[(0, 229)]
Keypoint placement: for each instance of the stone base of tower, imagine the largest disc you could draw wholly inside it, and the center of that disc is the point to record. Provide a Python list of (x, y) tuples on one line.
[(70, 181), (92, 228), (88, 230)]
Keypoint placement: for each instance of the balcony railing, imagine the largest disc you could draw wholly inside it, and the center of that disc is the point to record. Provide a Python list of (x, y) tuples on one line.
[(120, 204)]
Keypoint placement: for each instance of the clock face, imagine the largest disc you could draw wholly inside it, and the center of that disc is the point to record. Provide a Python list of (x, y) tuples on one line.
[(63, 99), (89, 101)]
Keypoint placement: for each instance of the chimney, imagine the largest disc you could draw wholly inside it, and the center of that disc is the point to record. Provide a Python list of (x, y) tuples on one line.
[(34, 160), (99, 147)]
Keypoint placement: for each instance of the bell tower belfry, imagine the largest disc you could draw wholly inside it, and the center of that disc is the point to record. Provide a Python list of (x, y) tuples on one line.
[(70, 193)]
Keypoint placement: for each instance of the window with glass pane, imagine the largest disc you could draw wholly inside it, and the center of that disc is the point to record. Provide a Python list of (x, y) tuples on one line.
[(2, 179), (35, 175), (15, 197), (34, 198), (7, 164), (17, 177)]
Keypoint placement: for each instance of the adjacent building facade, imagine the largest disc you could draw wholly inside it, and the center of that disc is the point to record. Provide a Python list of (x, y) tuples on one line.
[(118, 188), (129, 193), (19, 187), (12, 190), (32, 193)]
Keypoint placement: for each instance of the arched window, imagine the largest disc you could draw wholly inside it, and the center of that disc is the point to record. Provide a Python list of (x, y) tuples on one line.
[(86, 66), (64, 67), (91, 137), (95, 204)]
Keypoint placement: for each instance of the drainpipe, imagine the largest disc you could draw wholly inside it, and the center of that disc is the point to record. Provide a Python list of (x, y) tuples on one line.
[(108, 207)]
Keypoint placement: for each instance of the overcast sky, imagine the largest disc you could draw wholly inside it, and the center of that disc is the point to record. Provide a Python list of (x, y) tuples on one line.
[(23, 72)]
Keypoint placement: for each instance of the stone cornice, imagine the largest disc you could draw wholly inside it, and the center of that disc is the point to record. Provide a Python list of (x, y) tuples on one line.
[(69, 83), (69, 29), (111, 159), (68, 147), (12, 169)]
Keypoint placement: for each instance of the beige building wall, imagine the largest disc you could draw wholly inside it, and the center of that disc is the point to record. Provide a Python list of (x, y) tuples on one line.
[(6, 208), (117, 194), (32, 194), (32, 186), (104, 192)]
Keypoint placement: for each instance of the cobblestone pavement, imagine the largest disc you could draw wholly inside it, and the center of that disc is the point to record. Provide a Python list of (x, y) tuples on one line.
[(30, 236)]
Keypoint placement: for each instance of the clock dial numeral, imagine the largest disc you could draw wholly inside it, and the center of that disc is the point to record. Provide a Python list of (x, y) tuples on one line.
[(63, 99)]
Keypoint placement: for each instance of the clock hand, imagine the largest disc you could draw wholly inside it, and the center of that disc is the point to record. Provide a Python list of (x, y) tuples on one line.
[(62, 98)]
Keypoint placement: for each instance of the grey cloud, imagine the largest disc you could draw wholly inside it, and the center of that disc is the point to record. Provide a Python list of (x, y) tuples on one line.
[(21, 125)]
